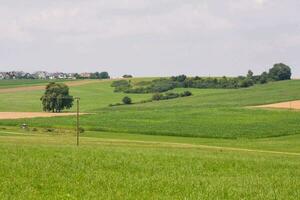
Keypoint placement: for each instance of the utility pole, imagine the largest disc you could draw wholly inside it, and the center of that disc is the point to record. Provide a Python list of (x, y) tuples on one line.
[(77, 124)]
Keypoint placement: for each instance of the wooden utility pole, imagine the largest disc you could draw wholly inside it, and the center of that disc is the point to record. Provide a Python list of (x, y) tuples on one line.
[(77, 125)]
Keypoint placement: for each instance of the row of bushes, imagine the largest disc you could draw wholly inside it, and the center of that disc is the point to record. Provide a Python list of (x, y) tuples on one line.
[(170, 95), (278, 72), (156, 97)]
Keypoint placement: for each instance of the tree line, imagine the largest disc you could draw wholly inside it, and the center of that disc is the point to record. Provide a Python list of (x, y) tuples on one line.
[(278, 72)]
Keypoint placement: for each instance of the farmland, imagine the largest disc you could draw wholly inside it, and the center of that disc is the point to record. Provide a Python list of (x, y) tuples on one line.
[(212, 145)]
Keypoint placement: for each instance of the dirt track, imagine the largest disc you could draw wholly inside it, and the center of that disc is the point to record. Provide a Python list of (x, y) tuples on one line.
[(41, 87), (283, 105), (20, 115)]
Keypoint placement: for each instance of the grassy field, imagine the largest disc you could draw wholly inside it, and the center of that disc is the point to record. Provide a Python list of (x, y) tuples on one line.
[(212, 113), (208, 146), (41, 166), (24, 82)]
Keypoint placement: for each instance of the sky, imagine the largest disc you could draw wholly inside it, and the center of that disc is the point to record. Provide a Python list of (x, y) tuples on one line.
[(150, 37)]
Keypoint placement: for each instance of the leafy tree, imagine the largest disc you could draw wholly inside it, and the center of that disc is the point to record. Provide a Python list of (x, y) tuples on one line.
[(250, 74), (179, 78), (104, 75), (56, 98), (95, 75), (280, 72), (263, 78), (246, 82), (127, 100)]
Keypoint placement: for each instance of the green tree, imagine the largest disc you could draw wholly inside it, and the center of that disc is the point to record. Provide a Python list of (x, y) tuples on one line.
[(263, 78), (56, 98), (250, 74), (280, 72), (103, 75), (127, 100)]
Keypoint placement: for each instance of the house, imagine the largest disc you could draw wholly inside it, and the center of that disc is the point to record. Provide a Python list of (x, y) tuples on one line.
[(2, 75), (85, 75), (40, 74)]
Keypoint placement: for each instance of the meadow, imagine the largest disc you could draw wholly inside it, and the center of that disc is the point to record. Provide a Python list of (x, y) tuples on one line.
[(8, 83), (212, 113), (212, 145), (40, 166)]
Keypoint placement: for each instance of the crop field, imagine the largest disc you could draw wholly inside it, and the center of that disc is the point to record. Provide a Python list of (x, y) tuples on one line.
[(211, 145)]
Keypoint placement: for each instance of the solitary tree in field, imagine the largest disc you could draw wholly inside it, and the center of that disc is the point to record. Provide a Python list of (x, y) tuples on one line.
[(56, 98)]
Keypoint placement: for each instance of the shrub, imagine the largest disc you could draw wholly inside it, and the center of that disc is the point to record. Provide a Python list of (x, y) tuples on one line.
[(121, 86), (171, 95), (157, 97), (127, 76), (186, 94), (81, 130), (126, 100), (49, 130)]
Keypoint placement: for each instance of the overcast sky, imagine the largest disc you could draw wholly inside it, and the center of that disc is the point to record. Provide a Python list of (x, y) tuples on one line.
[(150, 37)]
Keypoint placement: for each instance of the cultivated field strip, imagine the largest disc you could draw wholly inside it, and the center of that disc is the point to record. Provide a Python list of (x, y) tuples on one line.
[(68, 140)]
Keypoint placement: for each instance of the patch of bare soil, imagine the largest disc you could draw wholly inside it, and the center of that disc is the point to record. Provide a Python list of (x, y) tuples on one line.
[(283, 105), (20, 115), (42, 87)]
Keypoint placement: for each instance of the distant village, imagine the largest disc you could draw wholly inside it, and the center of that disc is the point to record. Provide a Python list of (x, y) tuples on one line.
[(54, 75)]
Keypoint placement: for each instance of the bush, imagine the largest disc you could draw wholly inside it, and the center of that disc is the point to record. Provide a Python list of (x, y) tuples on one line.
[(171, 95), (127, 76), (186, 94), (81, 130), (49, 130), (121, 86), (127, 100), (246, 83), (157, 97)]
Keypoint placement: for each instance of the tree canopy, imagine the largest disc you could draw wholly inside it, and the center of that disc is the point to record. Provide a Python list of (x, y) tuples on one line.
[(56, 98), (280, 72)]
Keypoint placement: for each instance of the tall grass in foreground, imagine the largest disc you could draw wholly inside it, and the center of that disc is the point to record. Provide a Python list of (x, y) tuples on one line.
[(119, 172)]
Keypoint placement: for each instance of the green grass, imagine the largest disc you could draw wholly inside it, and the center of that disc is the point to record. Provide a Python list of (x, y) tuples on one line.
[(52, 167), (208, 146), (25, 82), (212, 113)]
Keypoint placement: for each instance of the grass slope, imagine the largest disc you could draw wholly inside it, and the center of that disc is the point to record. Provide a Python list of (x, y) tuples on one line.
[(214, 113)]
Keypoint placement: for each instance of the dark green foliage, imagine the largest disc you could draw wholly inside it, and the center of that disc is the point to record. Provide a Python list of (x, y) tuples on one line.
[(56, 98), (104, 75), (101, 75), (179, 78), (186, 94), (247, 82), (170, 95), (127, 76), (81, 130), (157, 97), (263, 78), (280, 72), (127, 100), (155, 86), (250, 74), (121, 85)]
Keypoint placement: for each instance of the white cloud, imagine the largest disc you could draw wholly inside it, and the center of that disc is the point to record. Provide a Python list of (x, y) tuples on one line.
[(174, 32)]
